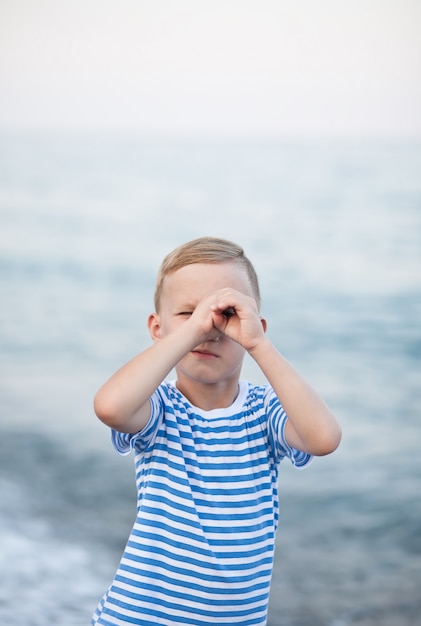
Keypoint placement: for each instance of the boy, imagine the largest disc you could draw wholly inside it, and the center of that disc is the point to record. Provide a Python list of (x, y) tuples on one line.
[(207, 447)]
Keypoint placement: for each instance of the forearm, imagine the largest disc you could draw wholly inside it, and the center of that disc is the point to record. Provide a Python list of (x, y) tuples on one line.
[(123, 401), (311, 426)]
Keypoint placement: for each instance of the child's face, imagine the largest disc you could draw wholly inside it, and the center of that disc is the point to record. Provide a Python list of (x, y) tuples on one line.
[(213, 361)]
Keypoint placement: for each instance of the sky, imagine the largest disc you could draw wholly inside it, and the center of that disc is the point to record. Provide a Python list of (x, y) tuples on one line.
[(296, 67)]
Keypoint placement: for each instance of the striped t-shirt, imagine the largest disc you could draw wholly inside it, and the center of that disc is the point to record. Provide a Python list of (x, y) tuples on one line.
[(201, 549)]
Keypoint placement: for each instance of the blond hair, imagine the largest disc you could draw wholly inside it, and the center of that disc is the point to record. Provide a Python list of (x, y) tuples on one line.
[(205, 250)]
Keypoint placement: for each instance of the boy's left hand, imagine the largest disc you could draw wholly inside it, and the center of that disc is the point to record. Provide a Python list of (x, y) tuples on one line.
[(236, 315)]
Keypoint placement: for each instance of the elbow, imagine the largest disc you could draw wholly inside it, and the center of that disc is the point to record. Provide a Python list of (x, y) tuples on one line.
[(329, 443), (118, 416), (105, 411)]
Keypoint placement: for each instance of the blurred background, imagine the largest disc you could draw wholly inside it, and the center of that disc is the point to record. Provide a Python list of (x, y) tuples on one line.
[(293, 128)]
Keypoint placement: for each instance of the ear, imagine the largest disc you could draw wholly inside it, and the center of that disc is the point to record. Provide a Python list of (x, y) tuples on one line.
[(154, 325), (264, 324)]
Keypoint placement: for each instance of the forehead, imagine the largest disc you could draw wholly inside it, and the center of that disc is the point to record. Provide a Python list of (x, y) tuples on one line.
[(197, 280)]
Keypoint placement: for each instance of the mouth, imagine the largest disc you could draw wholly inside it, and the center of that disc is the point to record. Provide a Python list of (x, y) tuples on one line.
[(204, 354)]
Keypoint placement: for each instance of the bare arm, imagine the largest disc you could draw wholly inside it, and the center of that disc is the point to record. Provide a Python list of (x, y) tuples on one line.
[(311, 426), (123, 401)]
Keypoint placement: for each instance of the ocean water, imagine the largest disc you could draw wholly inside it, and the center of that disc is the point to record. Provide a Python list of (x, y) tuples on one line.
[(334, 230)]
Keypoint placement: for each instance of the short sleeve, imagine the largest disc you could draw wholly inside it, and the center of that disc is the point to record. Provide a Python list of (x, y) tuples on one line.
[(124, 443), (277, 419)]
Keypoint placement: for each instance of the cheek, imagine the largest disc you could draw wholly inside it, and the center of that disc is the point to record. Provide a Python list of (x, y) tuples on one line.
[(235, 351), (168, 325), (161, 327)]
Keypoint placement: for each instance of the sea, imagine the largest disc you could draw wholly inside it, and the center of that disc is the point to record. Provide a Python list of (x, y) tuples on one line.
[(334, 230)]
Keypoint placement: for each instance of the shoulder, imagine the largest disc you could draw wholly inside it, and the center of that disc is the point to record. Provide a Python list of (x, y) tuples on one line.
[(170, 398), (162, 403), (260, 395)]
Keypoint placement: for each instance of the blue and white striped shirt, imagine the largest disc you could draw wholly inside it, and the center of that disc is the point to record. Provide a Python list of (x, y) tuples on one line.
[(201, 549)]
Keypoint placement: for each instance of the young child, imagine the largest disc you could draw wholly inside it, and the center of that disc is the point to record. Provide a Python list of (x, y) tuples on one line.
[(207, 447)]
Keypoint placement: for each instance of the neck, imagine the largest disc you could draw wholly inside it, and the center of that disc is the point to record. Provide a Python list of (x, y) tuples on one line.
[(209, 396)]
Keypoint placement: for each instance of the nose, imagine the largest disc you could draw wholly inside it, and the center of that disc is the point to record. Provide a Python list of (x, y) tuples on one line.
[(215, 336)]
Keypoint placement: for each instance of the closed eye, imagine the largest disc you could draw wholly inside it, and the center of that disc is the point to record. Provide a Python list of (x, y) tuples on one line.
[(185, 313)]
